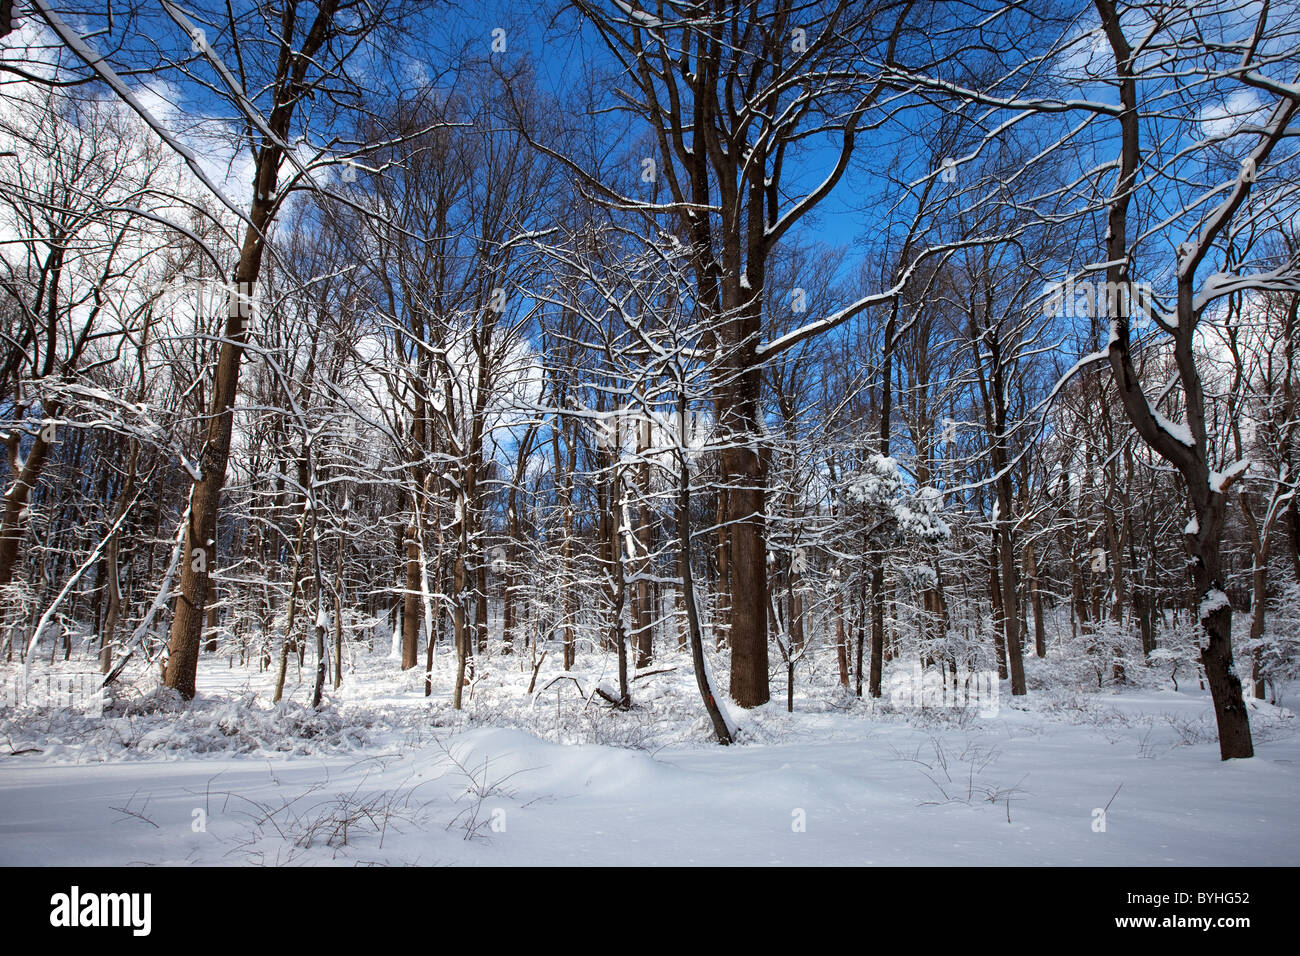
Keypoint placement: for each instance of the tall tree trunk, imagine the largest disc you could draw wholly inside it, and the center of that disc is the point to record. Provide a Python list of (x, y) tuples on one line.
[(722, 590), (460, 579), (413, 585), (112, 571), (1216, 647), (996, 595), (877, 625), (291, 614), (1035, 601), (339, 586), (1011, 612), (841, 639), (205, 494), (1191, 460), (644, 542), (18, 494), (702, 681), (1258, 605)]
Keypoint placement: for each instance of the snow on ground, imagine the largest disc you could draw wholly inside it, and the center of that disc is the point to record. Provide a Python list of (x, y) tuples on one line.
[(383, 774)]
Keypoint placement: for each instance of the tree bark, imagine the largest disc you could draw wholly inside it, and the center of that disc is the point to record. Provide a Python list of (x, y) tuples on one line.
[(205, 494)]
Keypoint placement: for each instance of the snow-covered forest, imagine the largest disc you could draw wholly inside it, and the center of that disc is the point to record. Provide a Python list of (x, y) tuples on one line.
[(483, 412)]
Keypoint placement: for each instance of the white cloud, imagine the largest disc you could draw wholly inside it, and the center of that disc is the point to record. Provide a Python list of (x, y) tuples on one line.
[(1229, 116)]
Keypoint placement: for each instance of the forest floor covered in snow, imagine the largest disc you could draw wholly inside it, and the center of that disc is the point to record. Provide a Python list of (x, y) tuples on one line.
[(382, 774)]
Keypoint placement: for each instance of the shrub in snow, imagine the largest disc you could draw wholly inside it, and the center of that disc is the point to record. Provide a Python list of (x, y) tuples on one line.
[(161, 723), (1278, 649), (880, 491), (160, 700)]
